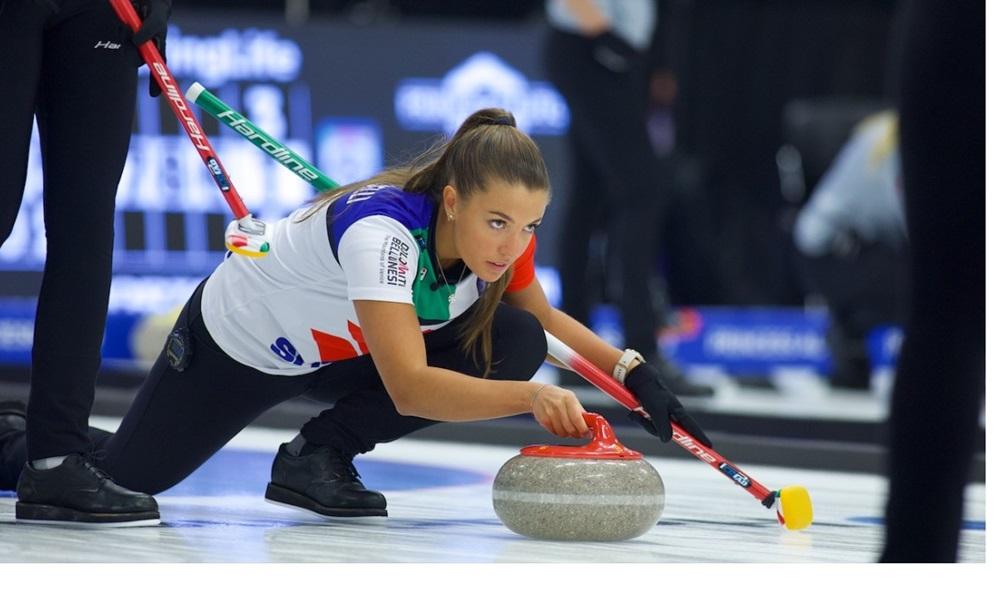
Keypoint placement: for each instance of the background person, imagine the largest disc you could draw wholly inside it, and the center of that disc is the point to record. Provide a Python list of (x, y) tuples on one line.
[(72, 65), (596, 55), (851, 235)]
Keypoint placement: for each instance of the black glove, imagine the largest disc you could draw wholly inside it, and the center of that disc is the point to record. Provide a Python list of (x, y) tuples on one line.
[(661, 404), (614, 53), (154, 15)]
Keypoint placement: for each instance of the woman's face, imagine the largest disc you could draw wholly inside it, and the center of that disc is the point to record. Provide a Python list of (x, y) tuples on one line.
[(493, 227)]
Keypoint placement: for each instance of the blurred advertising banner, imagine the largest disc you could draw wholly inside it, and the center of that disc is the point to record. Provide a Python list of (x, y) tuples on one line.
[(737, 341), (350, 98), (751, 341), (756, 341)]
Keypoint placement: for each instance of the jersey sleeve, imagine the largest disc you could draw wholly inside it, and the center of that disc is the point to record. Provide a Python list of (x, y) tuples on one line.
[(524, 268), (379, 258)]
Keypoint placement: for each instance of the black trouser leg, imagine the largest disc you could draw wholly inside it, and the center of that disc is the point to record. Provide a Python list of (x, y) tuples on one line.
[(586, 215), (21, 38), (587, 204), (863, 289), (85, 106), (366, 416), (941, 374), (180, 419), (14, 454), (609, 131)]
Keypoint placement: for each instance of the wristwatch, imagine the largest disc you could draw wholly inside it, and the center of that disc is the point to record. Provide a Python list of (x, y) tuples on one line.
[(621, 368)]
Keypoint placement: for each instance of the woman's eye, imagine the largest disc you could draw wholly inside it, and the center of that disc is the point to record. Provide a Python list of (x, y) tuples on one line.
[(498, 224), (531, 228)]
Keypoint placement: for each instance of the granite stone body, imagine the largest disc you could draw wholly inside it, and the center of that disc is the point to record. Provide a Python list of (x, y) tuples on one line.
[(571, 499)]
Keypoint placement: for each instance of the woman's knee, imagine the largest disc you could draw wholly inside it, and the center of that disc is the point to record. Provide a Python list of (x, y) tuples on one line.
[(519, 345)]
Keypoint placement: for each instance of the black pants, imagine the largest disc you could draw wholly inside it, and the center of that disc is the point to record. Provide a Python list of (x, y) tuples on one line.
[(864, 289), (84, 99), (941, 374), (180, 419), (614, 186)]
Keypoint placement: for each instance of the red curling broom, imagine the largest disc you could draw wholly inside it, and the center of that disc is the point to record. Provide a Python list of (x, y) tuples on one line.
[(245, 235)]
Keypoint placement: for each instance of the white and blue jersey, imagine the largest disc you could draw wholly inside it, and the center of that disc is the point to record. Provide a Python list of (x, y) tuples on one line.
[(292, 311)]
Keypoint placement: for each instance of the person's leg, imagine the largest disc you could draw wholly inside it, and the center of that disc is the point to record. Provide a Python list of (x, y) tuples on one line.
[(20, 37), (609, 132), (940, 378), (315, 471), (84, 105), (609, 129), (850, 285), (13, 442), (366, 416), (850, 365), (85, 108), (871, 296), (179, 419), (586, 212), (567, 63), (613, 132), (12, 424)]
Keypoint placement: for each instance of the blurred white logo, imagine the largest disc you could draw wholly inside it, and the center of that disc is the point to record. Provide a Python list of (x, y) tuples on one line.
[(234, 55), (483, 80)]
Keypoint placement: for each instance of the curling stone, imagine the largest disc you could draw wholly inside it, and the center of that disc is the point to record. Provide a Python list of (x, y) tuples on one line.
[(601, 491)]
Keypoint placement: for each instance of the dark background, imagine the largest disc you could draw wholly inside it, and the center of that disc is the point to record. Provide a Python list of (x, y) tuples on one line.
[(737, 64)]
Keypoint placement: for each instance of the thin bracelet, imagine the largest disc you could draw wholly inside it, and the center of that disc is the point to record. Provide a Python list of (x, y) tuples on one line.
[(531, 407)]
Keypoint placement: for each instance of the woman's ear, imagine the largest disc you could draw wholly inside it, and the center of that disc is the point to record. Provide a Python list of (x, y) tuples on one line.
[(449, 201)]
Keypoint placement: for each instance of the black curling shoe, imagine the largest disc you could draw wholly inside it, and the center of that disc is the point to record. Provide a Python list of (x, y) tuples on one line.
[(77, 493), (322, 481), (12, 425)]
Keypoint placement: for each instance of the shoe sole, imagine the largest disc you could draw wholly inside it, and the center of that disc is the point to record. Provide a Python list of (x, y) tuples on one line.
[(276, 494), (30, 513)]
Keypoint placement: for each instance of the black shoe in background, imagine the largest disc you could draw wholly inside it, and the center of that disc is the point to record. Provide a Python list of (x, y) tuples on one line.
[(12, 424), (12, 419), (677, 382), (78, 493), (323, 481)]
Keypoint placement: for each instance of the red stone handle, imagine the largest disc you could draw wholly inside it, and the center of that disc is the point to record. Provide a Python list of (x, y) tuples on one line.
[(603, 446), (604, 436)]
